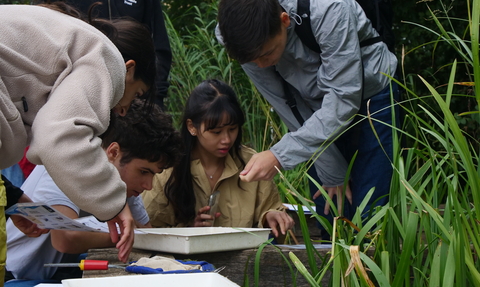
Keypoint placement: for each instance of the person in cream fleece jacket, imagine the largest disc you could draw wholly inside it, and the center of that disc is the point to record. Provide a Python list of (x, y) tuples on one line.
[(60, 78)]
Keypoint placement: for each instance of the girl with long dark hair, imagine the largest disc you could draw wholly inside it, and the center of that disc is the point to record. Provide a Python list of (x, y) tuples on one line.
[(212, 132)]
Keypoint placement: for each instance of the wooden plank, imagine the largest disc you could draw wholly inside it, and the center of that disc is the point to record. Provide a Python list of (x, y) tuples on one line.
[(238, 264)]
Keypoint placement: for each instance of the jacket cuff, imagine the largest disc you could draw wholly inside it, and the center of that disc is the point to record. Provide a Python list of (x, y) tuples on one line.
[(13, 192), (262, 217)]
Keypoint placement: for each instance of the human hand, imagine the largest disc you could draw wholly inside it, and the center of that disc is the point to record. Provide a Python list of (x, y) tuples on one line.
[(260, 167), (127, 225), (332, 191), (26, 226), (203, 219), (275, 219)]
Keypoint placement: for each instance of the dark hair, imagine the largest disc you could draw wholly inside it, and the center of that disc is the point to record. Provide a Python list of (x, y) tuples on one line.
[(132, 39), (246, 25), (149, 136), (208, 103), (62, 7), (135, 42)]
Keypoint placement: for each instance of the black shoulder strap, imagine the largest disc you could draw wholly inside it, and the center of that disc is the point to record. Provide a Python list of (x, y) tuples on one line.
[(289, 91), (304, 30), (305, 33)]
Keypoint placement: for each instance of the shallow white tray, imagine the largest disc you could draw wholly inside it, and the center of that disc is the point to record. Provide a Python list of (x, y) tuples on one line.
[(164, 280), (191, 240)]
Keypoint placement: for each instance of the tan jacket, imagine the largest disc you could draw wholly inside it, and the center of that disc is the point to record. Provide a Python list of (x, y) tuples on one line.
[(240, 207), (69, 75)]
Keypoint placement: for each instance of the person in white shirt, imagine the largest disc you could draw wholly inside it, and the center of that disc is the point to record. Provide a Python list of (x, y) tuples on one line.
[(139, 145)]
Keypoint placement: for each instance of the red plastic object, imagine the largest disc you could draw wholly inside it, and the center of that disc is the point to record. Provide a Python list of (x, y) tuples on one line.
[(93, 265)]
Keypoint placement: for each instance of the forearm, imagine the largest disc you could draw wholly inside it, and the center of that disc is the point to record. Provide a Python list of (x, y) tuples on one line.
[(75, 242)]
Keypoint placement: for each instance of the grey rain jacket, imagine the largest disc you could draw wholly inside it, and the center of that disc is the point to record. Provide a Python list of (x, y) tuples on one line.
[(330, 83)]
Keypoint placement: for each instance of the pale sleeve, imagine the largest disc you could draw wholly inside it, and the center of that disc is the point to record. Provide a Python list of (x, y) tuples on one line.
[(135, 203), (302, 142)]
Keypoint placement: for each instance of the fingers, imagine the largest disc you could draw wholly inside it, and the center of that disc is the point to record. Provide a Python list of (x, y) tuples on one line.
[(112, 229), (338, 191), (317, 194), (204, 219), (27, 227), (260, 167), (331, 192), (290, 222), (274, 230), (284, 222), (339, 200), (126, 242), (348, 194), (244, 174), (203, 223), (36, 232), (272, 222), (279, 220), (204, 209), (32, 231), (124, 250), (126, 234), (207, 223)]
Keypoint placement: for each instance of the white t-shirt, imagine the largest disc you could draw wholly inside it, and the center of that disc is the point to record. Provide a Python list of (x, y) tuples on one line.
[(26, 255)]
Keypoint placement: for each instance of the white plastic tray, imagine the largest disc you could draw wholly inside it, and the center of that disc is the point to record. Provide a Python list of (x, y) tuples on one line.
[(155, 280), (193, 240)]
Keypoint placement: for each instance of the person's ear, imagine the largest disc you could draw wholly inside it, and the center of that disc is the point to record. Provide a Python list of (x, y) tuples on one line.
[(130, 65), (191, 128), (113, 151), (285, 19)]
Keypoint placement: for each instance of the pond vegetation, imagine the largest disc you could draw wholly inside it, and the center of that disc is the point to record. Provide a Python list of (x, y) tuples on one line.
[(428, 235)]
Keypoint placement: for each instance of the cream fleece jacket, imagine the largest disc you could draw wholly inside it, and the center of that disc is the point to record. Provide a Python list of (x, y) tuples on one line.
[(59, 79)]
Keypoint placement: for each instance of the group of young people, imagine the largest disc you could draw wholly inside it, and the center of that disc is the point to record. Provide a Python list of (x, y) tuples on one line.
[(69, 99)]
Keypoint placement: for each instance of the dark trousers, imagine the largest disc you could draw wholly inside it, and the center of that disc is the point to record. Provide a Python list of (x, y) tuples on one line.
[(372, 167)]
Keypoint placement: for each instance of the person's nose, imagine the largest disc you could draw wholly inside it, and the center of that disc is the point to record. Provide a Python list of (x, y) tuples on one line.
[(120, 110), (226, 138), (147, 184), (261, 63)]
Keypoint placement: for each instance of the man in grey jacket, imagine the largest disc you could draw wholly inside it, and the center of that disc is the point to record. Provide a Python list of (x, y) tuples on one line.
[(336, 88)]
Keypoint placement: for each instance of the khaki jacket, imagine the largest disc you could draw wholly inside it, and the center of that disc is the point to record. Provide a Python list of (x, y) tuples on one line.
[(243, 206)]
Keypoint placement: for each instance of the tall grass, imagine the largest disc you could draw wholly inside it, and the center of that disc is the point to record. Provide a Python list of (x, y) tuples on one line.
[(428, 234)]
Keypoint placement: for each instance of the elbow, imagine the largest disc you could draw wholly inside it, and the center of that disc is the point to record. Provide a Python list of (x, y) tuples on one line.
[(65, 243), (62, 246)]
